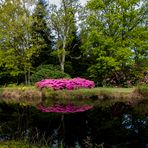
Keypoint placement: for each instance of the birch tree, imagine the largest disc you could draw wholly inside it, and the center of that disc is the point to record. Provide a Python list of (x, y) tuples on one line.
[(62, 21)]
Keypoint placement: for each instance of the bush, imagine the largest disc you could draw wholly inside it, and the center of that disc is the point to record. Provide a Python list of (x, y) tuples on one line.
[(49, 66), (69, 84), (143, 90), (48, 72)]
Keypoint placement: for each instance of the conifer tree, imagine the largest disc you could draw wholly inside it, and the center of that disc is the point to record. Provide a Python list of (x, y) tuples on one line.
[(42, 32)]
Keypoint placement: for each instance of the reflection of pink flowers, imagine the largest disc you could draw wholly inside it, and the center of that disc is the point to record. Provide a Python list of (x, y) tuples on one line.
[(61, 108), (69, 84)]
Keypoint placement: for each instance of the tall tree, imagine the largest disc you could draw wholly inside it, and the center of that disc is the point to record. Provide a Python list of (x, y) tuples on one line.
[(116, 35), (62, 21), (42, 32), (17, 46)]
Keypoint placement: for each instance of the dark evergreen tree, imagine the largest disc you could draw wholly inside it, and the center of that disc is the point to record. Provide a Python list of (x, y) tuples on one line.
[(42, 33), (74, 57)]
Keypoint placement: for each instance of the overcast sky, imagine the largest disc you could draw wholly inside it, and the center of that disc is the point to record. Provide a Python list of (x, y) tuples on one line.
[(58, 1)]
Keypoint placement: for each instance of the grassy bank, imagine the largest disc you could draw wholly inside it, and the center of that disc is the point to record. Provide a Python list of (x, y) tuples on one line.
[(95, 96), (21, 94)]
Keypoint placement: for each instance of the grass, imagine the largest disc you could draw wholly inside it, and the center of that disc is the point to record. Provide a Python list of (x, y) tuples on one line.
[(118, 90), (96, 96), (21, 94), (18, 87), (20, 144), (96, 88), (15, 144)]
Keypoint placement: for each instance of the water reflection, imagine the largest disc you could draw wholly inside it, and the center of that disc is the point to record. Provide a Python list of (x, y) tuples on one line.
[(118, 125)]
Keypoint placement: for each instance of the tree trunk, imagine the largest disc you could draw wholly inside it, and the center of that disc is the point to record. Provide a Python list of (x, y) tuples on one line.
[(62, 66), (29, 76), (26, 78), (63, 54)]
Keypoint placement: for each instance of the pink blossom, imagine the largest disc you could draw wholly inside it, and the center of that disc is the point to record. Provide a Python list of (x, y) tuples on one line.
[(69, 84), (61, 108)]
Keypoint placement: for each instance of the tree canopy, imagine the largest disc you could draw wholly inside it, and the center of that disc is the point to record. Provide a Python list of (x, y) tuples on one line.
[(105, 40), (116, 37)]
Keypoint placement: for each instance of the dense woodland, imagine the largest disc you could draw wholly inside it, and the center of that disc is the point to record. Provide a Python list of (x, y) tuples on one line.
[(105, 41)]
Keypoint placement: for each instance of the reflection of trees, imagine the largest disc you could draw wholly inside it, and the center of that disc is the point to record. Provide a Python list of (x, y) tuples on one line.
[(117, 125)]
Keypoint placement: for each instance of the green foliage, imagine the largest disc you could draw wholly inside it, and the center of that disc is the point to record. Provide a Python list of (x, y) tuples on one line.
[(17, 45), (62, 20), (116, 37), (69, 69), (143, 89), (41, 32), (49, 66), (112, 35), (48, 71)]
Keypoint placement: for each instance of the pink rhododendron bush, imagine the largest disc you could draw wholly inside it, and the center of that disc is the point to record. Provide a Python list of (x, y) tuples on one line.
[(61, 108), (70, 84)]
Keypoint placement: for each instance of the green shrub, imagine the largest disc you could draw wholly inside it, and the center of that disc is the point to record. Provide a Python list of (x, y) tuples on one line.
[(48, 72), (143, 90), (49, 66)]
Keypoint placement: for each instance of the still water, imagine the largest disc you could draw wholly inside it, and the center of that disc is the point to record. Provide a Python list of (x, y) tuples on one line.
[(115, 126)]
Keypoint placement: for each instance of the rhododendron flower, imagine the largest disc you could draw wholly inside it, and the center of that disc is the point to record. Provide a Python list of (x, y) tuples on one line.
[(69, 84), (61, 108)]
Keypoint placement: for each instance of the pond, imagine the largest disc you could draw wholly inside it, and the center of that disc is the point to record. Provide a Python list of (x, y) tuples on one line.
[(118, 126)]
